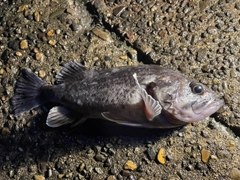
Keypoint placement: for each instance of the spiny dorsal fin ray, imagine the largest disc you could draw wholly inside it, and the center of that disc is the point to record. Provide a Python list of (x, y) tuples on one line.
[(73, 71), (152, 107)]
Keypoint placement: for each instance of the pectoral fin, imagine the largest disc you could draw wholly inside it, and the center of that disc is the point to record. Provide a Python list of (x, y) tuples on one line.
[(152, 107), (59, 116)]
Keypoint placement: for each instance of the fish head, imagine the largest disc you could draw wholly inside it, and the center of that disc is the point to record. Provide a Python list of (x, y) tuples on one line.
[(185, 100)]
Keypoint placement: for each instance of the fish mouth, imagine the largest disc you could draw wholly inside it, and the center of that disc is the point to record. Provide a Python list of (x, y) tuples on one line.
[(206, 108), (196, 112)]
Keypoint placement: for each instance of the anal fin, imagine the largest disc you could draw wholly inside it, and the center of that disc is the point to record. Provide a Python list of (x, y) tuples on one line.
[(59, 116)]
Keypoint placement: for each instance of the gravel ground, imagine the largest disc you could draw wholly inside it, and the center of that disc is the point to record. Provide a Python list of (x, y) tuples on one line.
[(198, 38)]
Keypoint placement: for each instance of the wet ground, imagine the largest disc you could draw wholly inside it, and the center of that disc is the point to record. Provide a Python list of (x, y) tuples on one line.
[(198, 38)]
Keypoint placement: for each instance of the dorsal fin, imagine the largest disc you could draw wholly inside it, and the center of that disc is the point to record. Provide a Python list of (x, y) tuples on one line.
[(73, 71)]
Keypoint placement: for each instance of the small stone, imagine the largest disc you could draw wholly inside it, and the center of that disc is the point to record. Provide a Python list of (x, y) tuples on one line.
[(161, 156), (75, 26), (100, 157), (101, 34), (50, 33), (125, 173), (5, 55), (11, 173), (231, 145), (81, 167), (99, 170), (22, 8), (114, 170), (69, 175), (5, 131), (39, 56), (234, 174), (38, 177), (118, 10), (36, 16), (50, 172), (52, 42), (42, 73), (18, 53), (24, 44), (111, 178), (214, 157), (108, 162), (56, 13), (124, 57), (130, 165), (212, 30), (60, 176), (151, 153), (201, 55), (205, 155), (223, 154), (216, 81), (14, 45)]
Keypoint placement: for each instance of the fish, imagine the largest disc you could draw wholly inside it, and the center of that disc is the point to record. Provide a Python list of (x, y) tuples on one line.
[(147, 96)]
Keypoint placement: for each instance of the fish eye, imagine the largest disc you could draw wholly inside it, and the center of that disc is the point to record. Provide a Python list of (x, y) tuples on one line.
[(197, 88)]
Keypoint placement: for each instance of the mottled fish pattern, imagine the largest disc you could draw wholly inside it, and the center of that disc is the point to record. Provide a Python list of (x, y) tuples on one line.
[(144, 96)]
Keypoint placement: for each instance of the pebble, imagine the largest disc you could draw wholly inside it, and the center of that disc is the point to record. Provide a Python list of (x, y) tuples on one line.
[(52, 42), (234, 174), (99, 170), (205, 155), (5, 55), (114, 170), (38, 177), (100, 157), (11, 173), (50, 172), (161, 156), (42, 73), (81, 167), (36, 16), (60, 176), (75, 26), (201, 55), (151, 152), (24, 44), (102, 35), (214, 157), (50, 33), (118, 10), (14, 45), (22, 8), (216, 81), (108, 162), (18, 53), (125, 173), (130, 165), (124, 57), (39, 56), (111, 177), (5, 131), (223, 154), (56, 13)]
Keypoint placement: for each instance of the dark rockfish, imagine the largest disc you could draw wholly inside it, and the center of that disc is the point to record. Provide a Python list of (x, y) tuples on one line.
[(144, 96)]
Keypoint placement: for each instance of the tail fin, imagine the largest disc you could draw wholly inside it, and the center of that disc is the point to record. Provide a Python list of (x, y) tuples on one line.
[(27, 93)]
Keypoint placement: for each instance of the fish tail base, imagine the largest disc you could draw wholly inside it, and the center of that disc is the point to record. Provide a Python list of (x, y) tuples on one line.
[(28, 93)]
